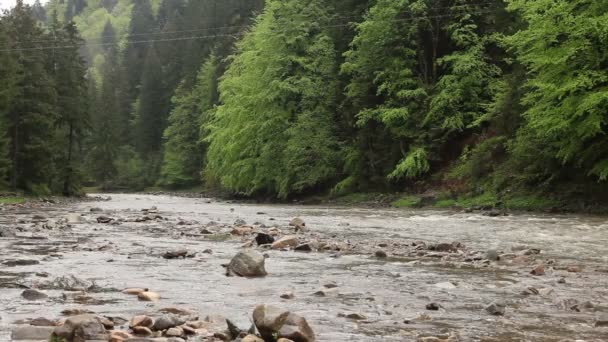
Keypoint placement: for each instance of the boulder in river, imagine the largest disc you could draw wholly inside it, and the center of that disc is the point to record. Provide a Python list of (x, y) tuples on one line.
[(273, 322), (538, 270), (73, 218), (141, 321), (492, 255), (31, 333), (305, 247), (296, 222), (248, 263), (176, 254), (167, 321), (104, 219), (264, 239), (134, 291), (148, 296), (251, 338), (601, 322), (31, 294), (286, 242), (380, 254), (82, 328), (496, 309)]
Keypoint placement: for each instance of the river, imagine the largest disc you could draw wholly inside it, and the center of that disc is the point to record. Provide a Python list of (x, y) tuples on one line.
[(390, 294)]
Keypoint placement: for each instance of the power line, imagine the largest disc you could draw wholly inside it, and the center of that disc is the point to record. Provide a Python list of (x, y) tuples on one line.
[(157, 32), (214, 35)]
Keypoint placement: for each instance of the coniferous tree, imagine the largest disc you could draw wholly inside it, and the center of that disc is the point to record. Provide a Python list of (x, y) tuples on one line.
[(32, 112), (141, 29), (8, 79)]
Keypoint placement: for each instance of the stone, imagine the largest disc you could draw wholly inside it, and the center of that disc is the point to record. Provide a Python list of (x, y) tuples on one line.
[(432, 306), (167, 321), (296, 328), (42, 322), (242, 230), (274, 322), (118, 336), (82, 328), (269, 320), (95, 210), (32, 333), (104, 219), (176, 311), (286, 242), (134, 291), (264, 239), (248, 263), (492, 255), (496, 309), (288, 295), (251, 338), (240, 222), (446, 285), (21, 262), (305, 247), (31, 294), (538, 270), (282, 339), (174, 332), (148, 296), (355, 316), (141, 321), (180, 253), (380, 254), (295, 222), (142, 331)]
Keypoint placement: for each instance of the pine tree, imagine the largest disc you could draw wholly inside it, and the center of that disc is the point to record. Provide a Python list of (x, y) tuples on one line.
[(274, 131), (8, 79), (32, 113), (141, 29), (69, 73)]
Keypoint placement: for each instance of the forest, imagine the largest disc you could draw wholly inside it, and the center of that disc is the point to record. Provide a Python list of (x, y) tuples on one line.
[(495, 99)]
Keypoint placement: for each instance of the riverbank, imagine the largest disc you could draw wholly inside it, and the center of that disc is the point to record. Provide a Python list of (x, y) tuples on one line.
[(353, 273)]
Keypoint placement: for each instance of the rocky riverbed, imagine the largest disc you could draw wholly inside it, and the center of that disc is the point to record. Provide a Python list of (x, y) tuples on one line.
[(338, 274)]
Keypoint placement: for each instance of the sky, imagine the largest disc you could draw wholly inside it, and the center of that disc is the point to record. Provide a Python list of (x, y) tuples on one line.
[(4, 4)]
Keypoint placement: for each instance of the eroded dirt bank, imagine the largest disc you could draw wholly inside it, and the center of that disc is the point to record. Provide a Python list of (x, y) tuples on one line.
[(400, 275)]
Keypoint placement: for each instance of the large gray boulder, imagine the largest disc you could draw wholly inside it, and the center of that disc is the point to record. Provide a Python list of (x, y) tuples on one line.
[(248, 263), (273, 322), (82, 328)]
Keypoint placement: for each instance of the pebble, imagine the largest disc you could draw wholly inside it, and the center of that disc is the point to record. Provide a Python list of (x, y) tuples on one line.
[(496, 309), (148, 296)]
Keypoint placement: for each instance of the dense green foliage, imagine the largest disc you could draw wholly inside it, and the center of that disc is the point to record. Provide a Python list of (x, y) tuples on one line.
[(291, 97)]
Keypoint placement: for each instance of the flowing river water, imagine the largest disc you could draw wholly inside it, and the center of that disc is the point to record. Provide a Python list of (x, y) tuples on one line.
[(390, 294)]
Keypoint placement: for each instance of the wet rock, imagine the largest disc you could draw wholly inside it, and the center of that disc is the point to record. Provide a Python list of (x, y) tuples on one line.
[(21, 262), (288, 295), (574, 269), (248, 264), (32, 294), (42, 322), (167, 321), (242, 231), (39, 218), (82, 328), (134, 291), (496, 309), (286, 242), (180, 253), (141, 321), (538, 270), (95, 210), (305, 247), (446, 247), (297, 222), (76, 312), (273, 322), (251, 338), (32, 333), (530, 291), (446, 285), (493, 213), (119, 336), (104, 219), (380, 254), (148, 296), (174, 332), (327, 292), (240, 222), (331, 285), (432, 306), (492, 255), (561, 281), (142, 331), (355, 316), (282, 339), (264, 239)]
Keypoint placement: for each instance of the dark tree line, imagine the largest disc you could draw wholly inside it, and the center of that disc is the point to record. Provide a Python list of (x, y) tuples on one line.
[(291, 97)]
